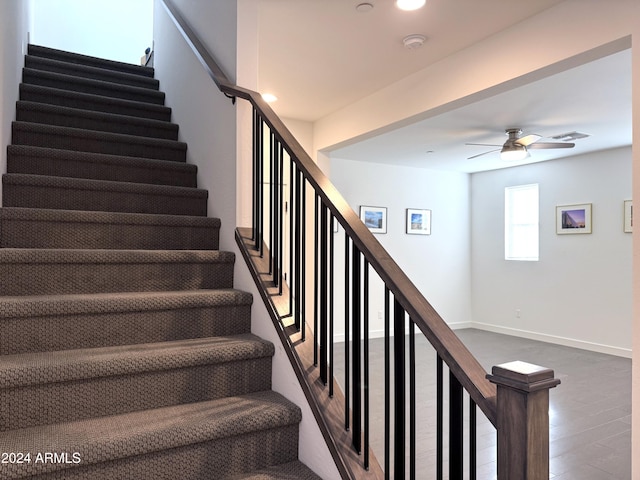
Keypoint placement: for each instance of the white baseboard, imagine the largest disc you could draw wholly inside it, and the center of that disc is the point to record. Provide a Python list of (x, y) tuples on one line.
[(543, 337), (338, 338), (461, 325), (515, 332)]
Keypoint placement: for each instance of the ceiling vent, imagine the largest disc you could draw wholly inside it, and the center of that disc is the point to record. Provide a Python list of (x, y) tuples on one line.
[(570, 136), (364, 7)]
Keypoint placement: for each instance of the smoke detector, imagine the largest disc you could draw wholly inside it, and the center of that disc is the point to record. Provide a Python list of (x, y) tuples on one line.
[(414, 41)]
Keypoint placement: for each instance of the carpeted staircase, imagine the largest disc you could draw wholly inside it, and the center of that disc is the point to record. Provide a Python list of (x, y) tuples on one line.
[(125, 352)]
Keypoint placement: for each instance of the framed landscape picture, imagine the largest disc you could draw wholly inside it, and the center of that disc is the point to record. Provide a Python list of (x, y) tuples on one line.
[(375, 218), (418, 221), (573, 219)]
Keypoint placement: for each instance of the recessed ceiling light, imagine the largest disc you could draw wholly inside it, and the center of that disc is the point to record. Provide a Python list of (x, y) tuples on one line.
[(364, 7), (269, 97), (410, 4)]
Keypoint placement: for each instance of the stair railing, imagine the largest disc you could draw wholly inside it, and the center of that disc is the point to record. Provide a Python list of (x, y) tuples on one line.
[(292, 252)]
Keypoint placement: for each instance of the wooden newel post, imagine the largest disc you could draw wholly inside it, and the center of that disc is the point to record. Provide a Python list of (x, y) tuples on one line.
[(523, 420)]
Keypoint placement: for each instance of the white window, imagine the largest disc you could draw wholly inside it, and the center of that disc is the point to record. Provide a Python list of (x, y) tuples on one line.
[(521, 222)]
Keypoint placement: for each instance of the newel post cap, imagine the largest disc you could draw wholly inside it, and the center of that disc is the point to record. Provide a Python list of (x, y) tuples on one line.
[(523, 376)]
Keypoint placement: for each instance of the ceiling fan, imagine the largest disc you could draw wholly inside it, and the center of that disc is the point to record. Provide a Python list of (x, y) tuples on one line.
[(517, 147)]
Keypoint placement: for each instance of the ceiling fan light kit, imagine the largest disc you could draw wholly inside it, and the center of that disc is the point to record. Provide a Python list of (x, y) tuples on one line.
[(516, 147), (514, 153)]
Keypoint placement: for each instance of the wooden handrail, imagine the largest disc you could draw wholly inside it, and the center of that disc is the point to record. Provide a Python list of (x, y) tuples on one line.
[(458, 358)]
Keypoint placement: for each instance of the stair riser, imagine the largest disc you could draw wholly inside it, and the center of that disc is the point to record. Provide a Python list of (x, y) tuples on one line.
[(98, 104), (74, 84), (42, 234), (37, 50), (95, 73), (73, 331), (53, 279), (35, 196), (95, 121), (61, 163), (202, 461), (87, 398), (112, 144)]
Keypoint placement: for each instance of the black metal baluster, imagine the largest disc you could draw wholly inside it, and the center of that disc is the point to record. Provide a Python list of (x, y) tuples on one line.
[(272, 200), (291, 235), (303, 256), (399, 377), (260, 186), (366, 363), (281, 204), (331, 302), (439, 418), (356, 364), (347, 328), (456, 428), (473, 432), (324, 298), (277, 203), (412, 400), (254, 177), (316, 280), (387, 386), (298, 247)]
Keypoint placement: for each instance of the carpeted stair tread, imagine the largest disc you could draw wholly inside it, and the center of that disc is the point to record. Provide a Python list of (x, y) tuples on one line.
[(81, 229), (98, 166), (87, 101), (64, 322), (85, 71), (139, 433), (88, 85), (66, 138), (66, 271), (35, 112), (55, 54), (67, 365), (36, 306), (39, 191), (287, 471), (53, 387)]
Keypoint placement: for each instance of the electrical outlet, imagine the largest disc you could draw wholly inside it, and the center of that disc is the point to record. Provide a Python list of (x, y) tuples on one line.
[(517, 313), (379, 314)]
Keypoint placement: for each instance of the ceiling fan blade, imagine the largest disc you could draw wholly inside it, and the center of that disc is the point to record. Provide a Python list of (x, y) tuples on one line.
[(484, 153), (484, 144), (552, 145), (528, 139)]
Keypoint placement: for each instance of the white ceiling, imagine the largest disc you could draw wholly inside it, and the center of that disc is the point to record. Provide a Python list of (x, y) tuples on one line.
[(318, 56)]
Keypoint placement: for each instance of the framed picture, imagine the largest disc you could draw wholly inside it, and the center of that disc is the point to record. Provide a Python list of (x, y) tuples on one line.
[(418, 221), (628, 216), (375, 218), (573, 219)]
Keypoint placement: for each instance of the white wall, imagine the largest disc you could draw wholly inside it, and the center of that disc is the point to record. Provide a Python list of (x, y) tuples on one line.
[(579, 292), (114, 29), (635, 447), (14, 25), (208, 122), (438, 264)]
